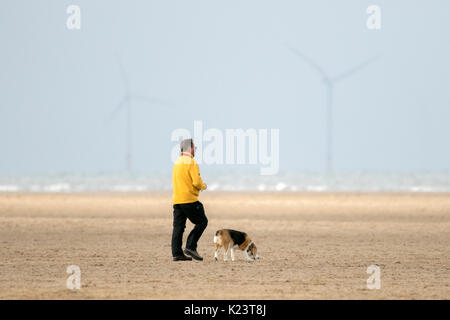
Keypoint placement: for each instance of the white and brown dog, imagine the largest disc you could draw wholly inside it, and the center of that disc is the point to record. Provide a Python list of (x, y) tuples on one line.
[(232, 239)]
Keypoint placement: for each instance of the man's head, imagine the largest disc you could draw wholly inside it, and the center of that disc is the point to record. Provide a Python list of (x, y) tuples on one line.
[(187, 146)]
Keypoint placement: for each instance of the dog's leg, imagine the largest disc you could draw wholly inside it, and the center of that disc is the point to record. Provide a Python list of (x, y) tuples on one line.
[(232, 254), (225, 252), (216, 253)]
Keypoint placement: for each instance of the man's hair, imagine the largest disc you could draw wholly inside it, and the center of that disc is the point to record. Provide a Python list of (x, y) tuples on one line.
[(186, 144)]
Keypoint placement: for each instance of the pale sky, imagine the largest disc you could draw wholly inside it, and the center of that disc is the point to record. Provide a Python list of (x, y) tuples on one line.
[(224, 63)]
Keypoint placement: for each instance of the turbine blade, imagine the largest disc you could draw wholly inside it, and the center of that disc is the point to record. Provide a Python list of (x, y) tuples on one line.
[(308, 60), (150, 100), (354, 69), (123, 74), (117, 108)]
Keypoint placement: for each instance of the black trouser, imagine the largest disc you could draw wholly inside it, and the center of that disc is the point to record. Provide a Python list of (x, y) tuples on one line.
[(196, 214)]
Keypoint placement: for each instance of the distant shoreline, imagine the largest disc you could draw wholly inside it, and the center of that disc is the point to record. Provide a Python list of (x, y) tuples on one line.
[(270, 193)]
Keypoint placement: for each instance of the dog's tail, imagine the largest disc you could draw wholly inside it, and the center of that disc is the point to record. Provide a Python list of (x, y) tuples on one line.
[(216, 237)]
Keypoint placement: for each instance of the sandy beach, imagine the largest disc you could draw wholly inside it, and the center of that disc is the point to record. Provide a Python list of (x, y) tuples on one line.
[(311, 246)]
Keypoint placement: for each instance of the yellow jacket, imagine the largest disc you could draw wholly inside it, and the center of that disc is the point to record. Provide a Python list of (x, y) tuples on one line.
[(186, 180)]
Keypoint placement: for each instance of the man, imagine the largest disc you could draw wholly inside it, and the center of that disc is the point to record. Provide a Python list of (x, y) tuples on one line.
[(187, 185)]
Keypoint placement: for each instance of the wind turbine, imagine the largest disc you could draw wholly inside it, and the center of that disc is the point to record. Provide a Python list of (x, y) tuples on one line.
[(125, 102), (329, 83)]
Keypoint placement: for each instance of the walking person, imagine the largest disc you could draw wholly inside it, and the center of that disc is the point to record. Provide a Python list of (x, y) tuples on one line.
[(187, 185)]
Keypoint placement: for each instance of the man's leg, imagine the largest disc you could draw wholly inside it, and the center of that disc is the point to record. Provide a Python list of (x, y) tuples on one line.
[(179, 224), (196, 214)]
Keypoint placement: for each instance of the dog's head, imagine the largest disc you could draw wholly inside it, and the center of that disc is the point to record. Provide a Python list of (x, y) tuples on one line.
[(253, 251)]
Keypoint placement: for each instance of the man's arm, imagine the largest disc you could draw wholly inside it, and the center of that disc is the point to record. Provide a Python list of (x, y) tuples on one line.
[(196, 179)]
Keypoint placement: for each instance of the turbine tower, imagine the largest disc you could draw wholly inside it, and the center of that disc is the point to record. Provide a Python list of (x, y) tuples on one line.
[(329, 83), (125, 102)]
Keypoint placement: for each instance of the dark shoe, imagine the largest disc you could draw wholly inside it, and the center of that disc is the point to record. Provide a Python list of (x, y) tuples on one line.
[(182, 258), (194, 254)]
